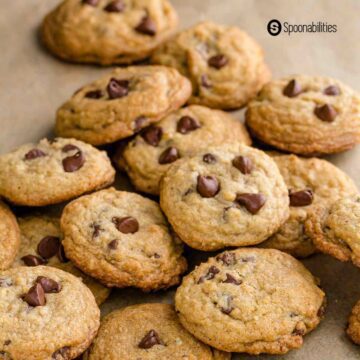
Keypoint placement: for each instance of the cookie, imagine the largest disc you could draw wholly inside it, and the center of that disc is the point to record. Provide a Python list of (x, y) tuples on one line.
[(225, 65), (45, 313), (335, 229), (306, 115), (108, 31), (9, 236), (311, 182), (353, 329), (261, 300), (122, 239), (147, 331), (182, 133), (41, 245), (121, 103), (50, 172), (235, 194)]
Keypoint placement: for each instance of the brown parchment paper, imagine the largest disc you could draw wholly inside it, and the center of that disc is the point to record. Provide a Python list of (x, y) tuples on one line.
[(33, 84)]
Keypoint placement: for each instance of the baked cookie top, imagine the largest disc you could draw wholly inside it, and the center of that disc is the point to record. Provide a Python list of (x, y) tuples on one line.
[(122, 239), (230, 195), (180, 134), (50, 172), (263, 300), (225, 65), (306, 115), (353, 329), (311, 182), (121, 103), (147, 331), (9, 236), (335, 229), (39, 317), (41, 245), (108, 31)]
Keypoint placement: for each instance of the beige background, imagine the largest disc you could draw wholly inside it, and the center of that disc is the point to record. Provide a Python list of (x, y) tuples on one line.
[(33, 84)]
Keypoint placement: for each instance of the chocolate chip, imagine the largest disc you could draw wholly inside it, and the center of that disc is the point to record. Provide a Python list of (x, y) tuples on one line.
[(94, 94), (74, 162), (227, 258), (146, 26), (96, 230), (140, 122), (35, 296), (332, 90), (207, 186), (252, 202), (126, 225), (91, 2), (187, 124), (209, 159), (49, 285), (32, 260), (149, 340), (48, 246), (156, 256), (218, 61), (70, 147), (301, 198), (231, 280), (117, 88), (325, 113), (152, 135), (169, 155), (228, 308), (115, 6), (61, 353), (5, 282), (243, 163), (34, 154), (7, 342), (298, 332), (113, 244), (292, 89), (213, 270)]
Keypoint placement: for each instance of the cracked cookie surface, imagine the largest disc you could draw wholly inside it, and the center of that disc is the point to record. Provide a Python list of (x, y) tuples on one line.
[(108, 31), (225, 65), (264, 300), (306, 115), (122, 239), (353, 329), (231, 195), (50, 172), (181, 134), (121, 103)]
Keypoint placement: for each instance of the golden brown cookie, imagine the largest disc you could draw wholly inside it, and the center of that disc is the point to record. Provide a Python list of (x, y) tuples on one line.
[(353, 329)]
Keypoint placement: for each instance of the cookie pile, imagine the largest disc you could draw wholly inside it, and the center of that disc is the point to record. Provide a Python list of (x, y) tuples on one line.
[(199, 183)]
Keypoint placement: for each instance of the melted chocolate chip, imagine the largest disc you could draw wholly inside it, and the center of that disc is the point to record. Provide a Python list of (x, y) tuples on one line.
[(126, 225), (228, 308), (149, 340), (252, 202), (146, 26), (90, 2), (94, 94), (218, 61), (61, 353), (74, 162), (113, 244), (205, 82), (48, 285), (140, 122), (227, 258), (61, 254), (292, 89), (7, 342), (32, 260), (213, 270), (232, 280), (48, 246), (35, 296), (326, 113), (115, 6), (209, 159), (207, 186), (187, 124), (168, 156), (69, 147), (301, 198), (298, 332), (96, 230), (243, 163), (152, 135), (117, 88), (34, 154), (332, 90)]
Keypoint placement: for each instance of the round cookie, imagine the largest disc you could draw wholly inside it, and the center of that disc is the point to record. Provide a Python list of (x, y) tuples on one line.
[(182, 133), (121, 103), (45, 313), (262, 300), (50, 172), (108, 31), (9, 236), (41, 245), (353, 329), (306, 115), (231, 195), (311, 182), (147, 331), (335, 229), (225, 65), (122, 239)]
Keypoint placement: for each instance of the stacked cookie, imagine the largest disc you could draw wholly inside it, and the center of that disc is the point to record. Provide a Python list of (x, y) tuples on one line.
[(209, 190)]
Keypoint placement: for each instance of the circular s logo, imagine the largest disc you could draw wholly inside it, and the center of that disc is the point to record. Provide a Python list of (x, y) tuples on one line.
[(274, 27)]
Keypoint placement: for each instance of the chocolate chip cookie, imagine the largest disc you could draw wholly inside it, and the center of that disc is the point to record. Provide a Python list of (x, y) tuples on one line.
[(9, 236), (311, 182), (180, 134), (122, 239), (50, 172), (45, 313), (259, 300), (306, 115), (122, 103), (41, 245), (335, 229), (231, 195), (225, 65), (108, 31), (147, 331), (353, 329)]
